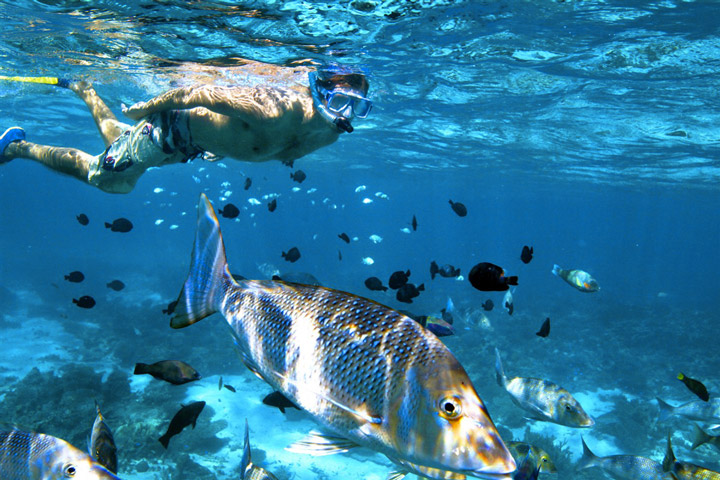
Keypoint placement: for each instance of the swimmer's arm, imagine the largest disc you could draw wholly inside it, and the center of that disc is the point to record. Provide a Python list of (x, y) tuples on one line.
[(231, 101)]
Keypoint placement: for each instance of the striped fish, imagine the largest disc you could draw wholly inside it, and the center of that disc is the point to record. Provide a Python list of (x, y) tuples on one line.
[(102, 443), (369, 374), (543, 400), (249, 471), (36, 456)]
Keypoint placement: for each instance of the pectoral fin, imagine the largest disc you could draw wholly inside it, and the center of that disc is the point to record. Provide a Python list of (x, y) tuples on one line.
[(320, 444)]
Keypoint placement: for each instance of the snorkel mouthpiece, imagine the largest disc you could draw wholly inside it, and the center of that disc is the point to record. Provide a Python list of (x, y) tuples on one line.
[(342, 123)]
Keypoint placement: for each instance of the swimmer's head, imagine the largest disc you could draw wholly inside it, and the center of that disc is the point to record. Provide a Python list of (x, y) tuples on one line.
[(339, 94)]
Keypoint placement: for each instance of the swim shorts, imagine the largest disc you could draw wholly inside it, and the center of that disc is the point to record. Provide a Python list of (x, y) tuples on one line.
[(158, 139)]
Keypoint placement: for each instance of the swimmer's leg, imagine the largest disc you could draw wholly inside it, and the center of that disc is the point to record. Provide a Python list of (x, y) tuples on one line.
[(69, 161), (108, 124)]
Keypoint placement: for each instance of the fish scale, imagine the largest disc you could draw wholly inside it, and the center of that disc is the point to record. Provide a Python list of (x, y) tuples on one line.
[(351, 340), (367, 373)]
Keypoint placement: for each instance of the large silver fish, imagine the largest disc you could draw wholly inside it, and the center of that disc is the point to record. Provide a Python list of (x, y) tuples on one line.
[(543, 400), (369, 374), (36, 456), (626, 467)]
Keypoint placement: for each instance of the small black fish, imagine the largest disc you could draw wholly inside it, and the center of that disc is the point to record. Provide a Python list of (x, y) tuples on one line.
[(272, 205), (299, 176), (86, 301), (187, 415), (171, 371), (527, 254), (229, 387), (488, 305), (75, 277), (408, 291), (83, 219), (544, 329), (374, 283), (447, 271), (229, 211), (339, 256), (278, 400), (695, 386), (458, 208), (291, 255), (510, 307), (122, 225), (237, 277), (248, 182), (487, 277), (220, 383), (414, 223), (116, 285), (170, 308), (344, 237), (398, 279)]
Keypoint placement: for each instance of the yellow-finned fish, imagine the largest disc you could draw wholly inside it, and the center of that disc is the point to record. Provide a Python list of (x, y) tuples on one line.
[(543, 400), (36, 456), (537, 455), (102, 443), (369, 374), (579, 279), (685, 471), (249, 471)]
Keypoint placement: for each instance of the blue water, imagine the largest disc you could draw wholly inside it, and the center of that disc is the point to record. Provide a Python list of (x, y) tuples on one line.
[(587, 129)]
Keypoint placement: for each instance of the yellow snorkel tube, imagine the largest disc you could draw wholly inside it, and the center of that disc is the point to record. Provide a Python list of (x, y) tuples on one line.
[(59, 82)]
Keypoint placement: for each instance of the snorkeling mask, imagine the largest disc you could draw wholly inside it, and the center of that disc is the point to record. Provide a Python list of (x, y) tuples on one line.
[(339, 104)]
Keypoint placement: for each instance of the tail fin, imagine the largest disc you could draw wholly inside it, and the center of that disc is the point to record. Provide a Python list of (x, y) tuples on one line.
[(588, 457), (666, 410), (556, 270), (141, 368), (500, 374), (700, 437), (209, 276), (165, 440), (246, 461), (433, 270)]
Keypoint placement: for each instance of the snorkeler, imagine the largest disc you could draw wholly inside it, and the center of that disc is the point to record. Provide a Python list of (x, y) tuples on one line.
[(253, 124)]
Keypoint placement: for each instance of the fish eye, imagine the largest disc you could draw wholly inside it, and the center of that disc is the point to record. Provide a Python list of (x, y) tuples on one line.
[(544, 459), (450, 407), (69, 470)]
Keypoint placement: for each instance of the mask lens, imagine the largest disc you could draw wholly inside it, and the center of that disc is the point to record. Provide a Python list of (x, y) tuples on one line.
[(362, 107), (338, 102)]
